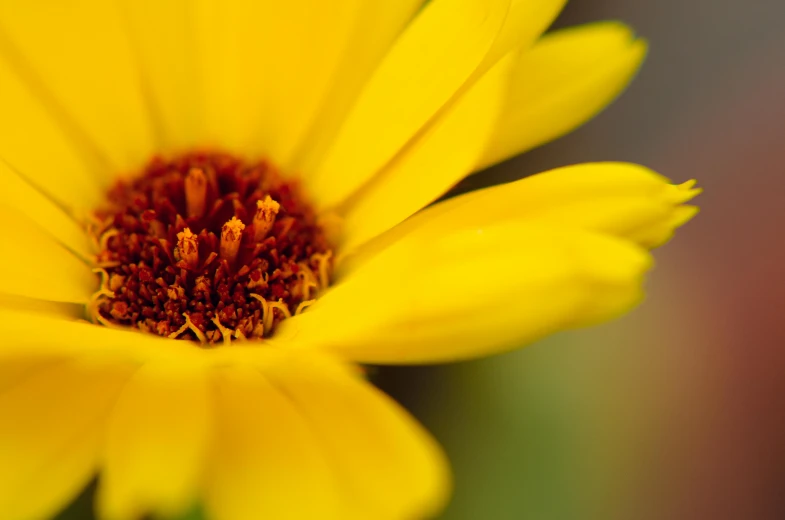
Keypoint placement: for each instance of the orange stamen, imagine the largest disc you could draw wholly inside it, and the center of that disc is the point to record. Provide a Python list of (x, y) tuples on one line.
[(263, 221), (195, 192), (188, 247), (231, 235)]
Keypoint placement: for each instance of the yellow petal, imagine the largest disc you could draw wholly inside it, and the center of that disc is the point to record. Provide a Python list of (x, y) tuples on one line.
[(63, 310), (16, 369), (164, 40), (50, 440), (266, 460), (31, 332), (155, 443), (525, 22), (563, 81), (442, 156), (33, 142), (431, 60), (22, 197), (75, 56), (625, 200), (376, 27), (657, 232), (447, 148), (267, 67), (34, 265), (379, 23), (47, 334), (389, 466), (476, 291), (621, 199)]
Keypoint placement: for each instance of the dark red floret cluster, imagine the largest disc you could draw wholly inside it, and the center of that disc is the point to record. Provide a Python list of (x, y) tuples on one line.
[(207, 247)]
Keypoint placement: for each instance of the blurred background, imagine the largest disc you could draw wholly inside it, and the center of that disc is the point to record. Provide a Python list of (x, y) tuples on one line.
[(676, 411)]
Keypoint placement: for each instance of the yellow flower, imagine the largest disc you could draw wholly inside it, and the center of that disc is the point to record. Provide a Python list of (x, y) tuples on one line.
[(378, 108)]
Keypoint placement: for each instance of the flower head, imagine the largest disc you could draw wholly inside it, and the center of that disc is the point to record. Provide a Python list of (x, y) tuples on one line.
[(213, 211)]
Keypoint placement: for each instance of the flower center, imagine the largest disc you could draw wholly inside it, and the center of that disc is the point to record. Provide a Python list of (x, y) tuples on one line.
[(207, 247)]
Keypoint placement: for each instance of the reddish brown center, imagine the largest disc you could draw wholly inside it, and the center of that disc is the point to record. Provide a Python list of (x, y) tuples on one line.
[(207, 247)]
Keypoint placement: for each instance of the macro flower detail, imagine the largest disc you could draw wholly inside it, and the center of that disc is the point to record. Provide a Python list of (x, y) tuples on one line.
[(213, 212), (221, 280)]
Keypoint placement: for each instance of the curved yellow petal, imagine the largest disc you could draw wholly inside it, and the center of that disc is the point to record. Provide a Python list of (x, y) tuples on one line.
[(448, 147), (50, 440), (428, 63), (156, 443), (445, 153), (31, 332), (24, 198), (34, 265), (379, 23), (34, 333), (563, 81), (621, 199), (376, 27), (481, 290), (525, 22), (63, 310), (389, 466), (76, 58), (266, 460), (267, 65), (35, 144)]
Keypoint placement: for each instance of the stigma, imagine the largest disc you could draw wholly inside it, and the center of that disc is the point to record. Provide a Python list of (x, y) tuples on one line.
[(206, 247)]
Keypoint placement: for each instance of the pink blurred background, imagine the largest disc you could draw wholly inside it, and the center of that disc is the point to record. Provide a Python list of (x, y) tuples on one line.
[(676, 411)]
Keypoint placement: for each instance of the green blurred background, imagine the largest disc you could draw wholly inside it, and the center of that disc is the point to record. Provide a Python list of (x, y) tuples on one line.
[(676, 411)]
